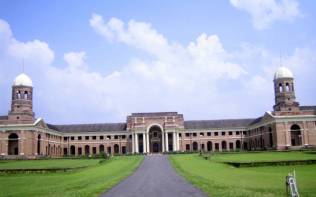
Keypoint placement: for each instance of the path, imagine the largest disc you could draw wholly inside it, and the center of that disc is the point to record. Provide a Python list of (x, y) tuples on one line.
[(155, 177)]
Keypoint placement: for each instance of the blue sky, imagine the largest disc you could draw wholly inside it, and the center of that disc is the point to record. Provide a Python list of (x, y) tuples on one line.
[(98, 61)]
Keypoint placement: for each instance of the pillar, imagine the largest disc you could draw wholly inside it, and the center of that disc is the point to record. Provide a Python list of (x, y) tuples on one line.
[(163, 142), (136, 143), (147, 142), (133, 143), (167, 142), (144, 143), (174, 141)]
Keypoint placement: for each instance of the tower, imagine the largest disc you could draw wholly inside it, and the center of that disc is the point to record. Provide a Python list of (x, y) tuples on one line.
[(284, 91), (22, 100)]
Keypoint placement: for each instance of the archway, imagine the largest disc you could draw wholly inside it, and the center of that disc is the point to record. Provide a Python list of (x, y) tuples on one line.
[(155, 139), (13, 144), (209, 146), (39, 144), (101, 148), (72, 150), (224, 145), (238, 144), (195, 146), (116, 149), (296, 136), (87, 150)]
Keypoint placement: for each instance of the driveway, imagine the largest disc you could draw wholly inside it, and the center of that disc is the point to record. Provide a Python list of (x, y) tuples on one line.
[(154, 178)]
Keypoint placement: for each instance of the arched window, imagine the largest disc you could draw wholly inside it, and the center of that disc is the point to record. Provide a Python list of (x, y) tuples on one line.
[(287, 87), (13, 144), (18, 95), (280, 87), (25, 95)]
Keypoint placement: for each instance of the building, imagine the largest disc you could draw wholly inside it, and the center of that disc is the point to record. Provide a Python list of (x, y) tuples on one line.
[(288, 126)]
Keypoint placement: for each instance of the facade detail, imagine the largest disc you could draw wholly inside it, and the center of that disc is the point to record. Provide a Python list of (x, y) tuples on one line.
[(288, 126)]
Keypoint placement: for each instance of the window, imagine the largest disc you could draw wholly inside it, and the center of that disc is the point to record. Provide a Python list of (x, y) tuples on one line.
[(79, 137), (194, 134), (155, 134), (237, 133), (101, 137), (130, 137), (108, 137), (180, 135), (187, 134), (94, 137), (72, 138), (287, 87), (230, 133), (116, 137), (87, 137), (201, 134), (216, 133), (280, 87), (209, 134), (123, 137), (25, 95), (223, 133), (65, 138)]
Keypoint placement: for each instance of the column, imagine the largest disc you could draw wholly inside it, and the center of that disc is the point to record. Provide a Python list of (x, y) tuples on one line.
[(136, 143), (133, 142), (144, 144), (177, 141), (147, 142), (163, 141), (167, 142), (174, 141)]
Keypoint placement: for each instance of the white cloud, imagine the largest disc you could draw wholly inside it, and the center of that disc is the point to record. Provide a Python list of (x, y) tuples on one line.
[(201, 79), (266, 12)]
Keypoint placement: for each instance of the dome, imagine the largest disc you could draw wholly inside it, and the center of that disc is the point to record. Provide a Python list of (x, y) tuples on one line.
[(22, 80), (283, 72)]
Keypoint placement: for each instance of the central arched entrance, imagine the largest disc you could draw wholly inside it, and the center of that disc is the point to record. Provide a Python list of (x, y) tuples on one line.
[(155, 139), (13, 144), (296, 135)]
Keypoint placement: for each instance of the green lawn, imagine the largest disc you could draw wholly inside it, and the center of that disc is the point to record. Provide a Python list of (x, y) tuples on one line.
[(86, 182), (262, 156), (48, 163), (218, 179)]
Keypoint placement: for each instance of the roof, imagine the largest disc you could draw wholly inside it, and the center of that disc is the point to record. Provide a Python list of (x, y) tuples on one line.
[(3, 117), (283, 72), (209, 124), (83, 128), (308, 108), (150, 114), (22, 80)]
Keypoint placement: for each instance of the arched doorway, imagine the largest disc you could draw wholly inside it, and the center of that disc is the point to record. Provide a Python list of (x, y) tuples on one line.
[(39, 144), (116, 149), (195, 146), (224, 145), (13, 144), (101, 148), (238, 144), (209, 146), (72, 150), (155, 139), (87, 150), (296, 135)]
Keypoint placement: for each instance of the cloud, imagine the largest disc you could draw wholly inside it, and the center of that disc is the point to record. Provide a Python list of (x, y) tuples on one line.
[(265, 12), (202, 79)]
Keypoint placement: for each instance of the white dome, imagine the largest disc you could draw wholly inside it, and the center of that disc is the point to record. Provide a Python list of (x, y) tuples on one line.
[(283, 72), (22, 80)]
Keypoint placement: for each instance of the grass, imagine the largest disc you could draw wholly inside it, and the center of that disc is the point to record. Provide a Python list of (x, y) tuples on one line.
[(219, 179), (90, 181), (48, 163), (262, 156)]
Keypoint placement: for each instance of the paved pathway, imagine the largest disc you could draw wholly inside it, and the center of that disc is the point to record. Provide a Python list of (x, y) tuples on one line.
[(154, 178)]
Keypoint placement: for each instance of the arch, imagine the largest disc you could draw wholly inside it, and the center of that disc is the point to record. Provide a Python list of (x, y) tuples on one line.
[(13, 144), (18, 95), (296, 135), (116, 149), (87, 150), (224, 145), (39, 144), (287, 87), (72, 150), (101, 148), (195, 146), (238, 144), (155, 133), (25, 95), (280, 87), (209, 146)]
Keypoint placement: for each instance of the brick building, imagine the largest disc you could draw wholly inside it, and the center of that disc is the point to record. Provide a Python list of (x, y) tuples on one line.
[(288, 126)]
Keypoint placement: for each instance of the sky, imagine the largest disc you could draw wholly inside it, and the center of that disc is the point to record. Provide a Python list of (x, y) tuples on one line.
[(99, 61)]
